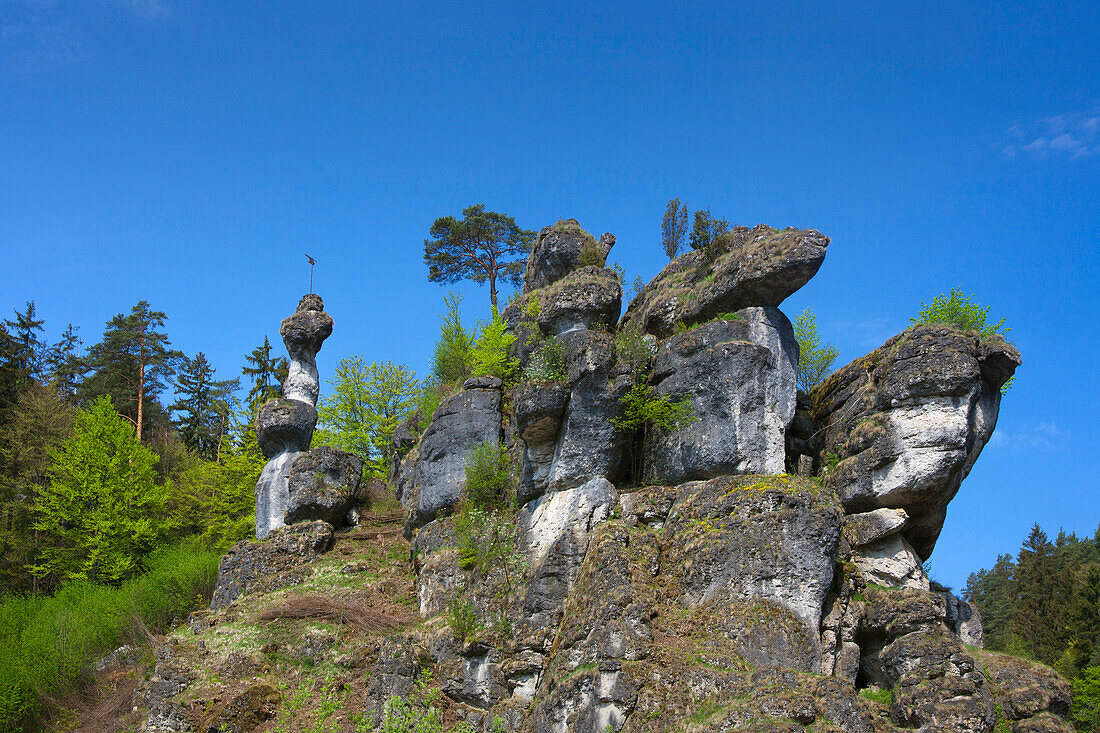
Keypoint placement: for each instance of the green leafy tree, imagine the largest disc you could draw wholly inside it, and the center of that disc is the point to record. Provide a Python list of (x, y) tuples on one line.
[(815, 361), (100, 514), (267, 374), (489, 478), (365, 408), (643, 411), (482, 245), (132, 364), (490, 354), (203, 407), (674, 228), (961, 311), (705, 231), (451, 360)]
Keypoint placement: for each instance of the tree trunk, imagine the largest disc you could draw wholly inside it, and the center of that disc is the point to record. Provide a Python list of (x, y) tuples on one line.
[(493, 289), (141, 397)]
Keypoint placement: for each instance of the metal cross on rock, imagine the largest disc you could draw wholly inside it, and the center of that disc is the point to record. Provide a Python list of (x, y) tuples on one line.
[(312, 262)]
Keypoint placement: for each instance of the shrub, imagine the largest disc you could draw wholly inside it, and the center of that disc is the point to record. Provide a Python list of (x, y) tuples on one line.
[(451, 361), (487, 542), (959, 310), (1086, 700), (489, 479), (592, 255), (644, 409), (463, 618), (632, 350), (547, 364), (491, 353)]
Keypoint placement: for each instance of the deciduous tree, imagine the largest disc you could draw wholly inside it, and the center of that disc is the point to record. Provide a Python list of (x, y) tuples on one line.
[(815, 361), (674, 228)]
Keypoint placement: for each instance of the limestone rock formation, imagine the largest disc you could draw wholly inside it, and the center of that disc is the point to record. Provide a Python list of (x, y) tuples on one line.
[(763, 567), (738, 375), (557, 252), (904, 424), (751, 267)]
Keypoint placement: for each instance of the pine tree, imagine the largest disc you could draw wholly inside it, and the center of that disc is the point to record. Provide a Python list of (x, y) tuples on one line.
[(203, 407), (1036, 622), (674, 228), (705, 231), (63, 366), (132, 364), (28, 349), (101, 511), (267, 374)]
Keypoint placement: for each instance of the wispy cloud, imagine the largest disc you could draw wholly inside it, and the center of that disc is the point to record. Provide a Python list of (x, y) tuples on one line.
[(865, 334), (1072, 135), (1044, 436), (42, 35)]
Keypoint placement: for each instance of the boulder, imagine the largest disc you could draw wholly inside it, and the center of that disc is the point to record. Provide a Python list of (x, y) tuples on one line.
[(750, 267), (901, 427), (1023, 688), (303, 333), (587, 298), (462, 422), (264, 566), (322, 484), (866, 528), (273, 492), (738, 375), (890, 562), (557, 252), (284, 425)]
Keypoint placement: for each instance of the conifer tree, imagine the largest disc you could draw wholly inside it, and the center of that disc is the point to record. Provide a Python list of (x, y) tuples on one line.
[(267, 374), (203, 407), (101, 511), (132, 364)]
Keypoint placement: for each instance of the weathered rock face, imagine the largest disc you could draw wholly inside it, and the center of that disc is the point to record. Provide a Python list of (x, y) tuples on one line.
[(907, 422), (1031, 695), (267, 565), (284, 427), (739, 377), (753, 267), (557, 252), (322, 484), (462, 422), (586, 298)]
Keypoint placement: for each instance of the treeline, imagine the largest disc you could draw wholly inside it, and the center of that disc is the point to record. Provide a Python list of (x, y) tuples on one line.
[(1044, 604), (111, 452)]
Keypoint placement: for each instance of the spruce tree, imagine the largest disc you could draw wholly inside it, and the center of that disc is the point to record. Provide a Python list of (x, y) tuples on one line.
[(267, 374), (203, 406)]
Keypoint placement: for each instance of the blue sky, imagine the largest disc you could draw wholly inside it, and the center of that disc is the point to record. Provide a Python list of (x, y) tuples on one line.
[(190, 152)]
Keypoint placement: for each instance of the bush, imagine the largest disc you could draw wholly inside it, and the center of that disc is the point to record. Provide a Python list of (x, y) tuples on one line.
[(491, 353), (632, 350), (592, 255), (547, 364), (463, 618), (1086, 700), (489, 479), (451, 361), (487, 542), (959, 310), (51, 642)]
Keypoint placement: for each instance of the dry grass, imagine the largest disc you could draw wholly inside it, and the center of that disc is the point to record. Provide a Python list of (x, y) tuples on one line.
[(367, 612)]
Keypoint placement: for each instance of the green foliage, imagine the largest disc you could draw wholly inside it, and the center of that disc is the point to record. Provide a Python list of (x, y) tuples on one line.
[(1086, 700), (267, 374), (205, 405), (427, 402), (959, 310), (491, 353), (547, 364), (643, 406), (487, 543), (483, 245), (882, 697), (451, 361), (420, 712), (815, 361), (592, 255), (705, 232), (366, 406), (1045, 603), (50, 642), (101, 512), (462, 617), (674, 228), (489, 477), (631, 349)]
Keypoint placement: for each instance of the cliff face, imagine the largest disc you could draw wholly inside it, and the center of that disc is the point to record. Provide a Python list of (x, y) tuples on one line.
[(681, 579)]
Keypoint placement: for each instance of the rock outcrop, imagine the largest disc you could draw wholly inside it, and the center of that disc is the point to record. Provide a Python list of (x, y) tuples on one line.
[(758, 568), (901, 427), (748, 267)]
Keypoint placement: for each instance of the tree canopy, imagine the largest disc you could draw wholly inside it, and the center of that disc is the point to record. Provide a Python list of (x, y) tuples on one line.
[(482, 245)]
